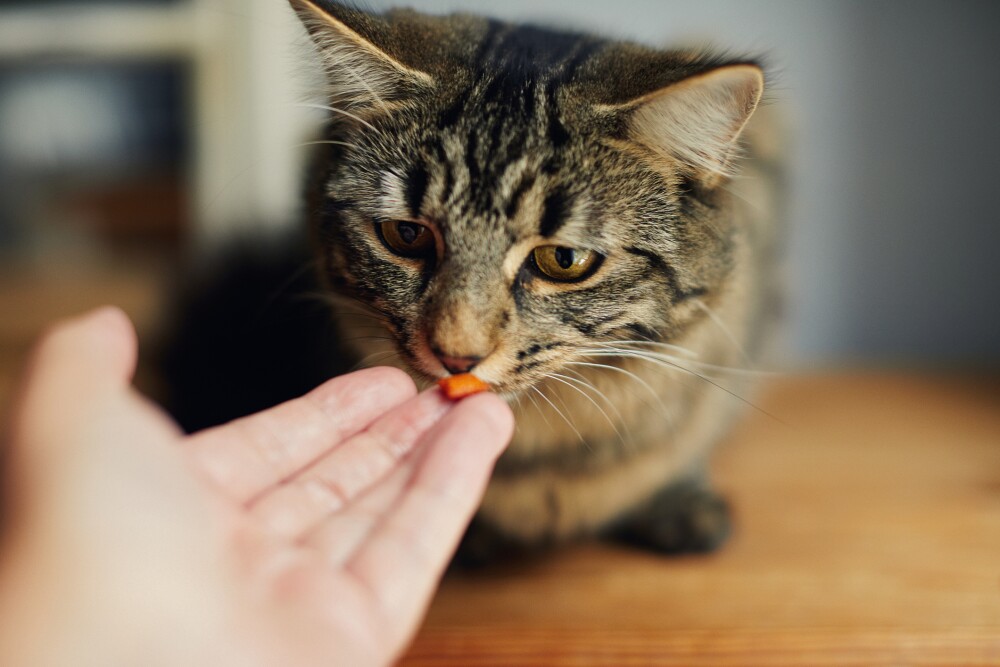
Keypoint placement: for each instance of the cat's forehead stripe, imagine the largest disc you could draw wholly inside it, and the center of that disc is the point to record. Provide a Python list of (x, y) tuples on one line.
[(518, 194), (532, 49), (416, 189), (555, 211)]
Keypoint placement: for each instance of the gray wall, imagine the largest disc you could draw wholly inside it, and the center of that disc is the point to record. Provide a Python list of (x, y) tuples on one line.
[(922, 222), (893, 112)]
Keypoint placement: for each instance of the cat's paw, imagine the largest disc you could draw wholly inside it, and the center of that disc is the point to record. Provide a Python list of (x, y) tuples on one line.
[(685, 517), (484, 545)]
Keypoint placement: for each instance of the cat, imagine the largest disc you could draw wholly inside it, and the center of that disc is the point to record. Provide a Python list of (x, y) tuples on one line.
[(558, 214)]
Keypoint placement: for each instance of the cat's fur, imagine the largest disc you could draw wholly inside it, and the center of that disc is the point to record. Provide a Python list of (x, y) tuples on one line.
[(502, 138)]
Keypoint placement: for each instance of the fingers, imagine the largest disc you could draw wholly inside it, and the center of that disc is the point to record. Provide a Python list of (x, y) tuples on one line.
[(249, 456), (78, 361), (404, 557), (91, 349), (339, 535), (351, 468)]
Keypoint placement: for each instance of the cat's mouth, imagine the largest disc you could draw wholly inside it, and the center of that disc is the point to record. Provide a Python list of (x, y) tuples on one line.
[(425, 366), (508, 374)]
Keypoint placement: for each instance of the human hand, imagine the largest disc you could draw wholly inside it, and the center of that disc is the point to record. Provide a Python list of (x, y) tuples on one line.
[(314, 532)]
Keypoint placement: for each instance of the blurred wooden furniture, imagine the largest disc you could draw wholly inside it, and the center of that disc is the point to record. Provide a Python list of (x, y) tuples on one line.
[(868, 529), (34, 293), (243, 174)]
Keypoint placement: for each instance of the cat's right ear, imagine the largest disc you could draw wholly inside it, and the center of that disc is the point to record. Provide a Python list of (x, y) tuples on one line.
[(361, 55), (699, 119)]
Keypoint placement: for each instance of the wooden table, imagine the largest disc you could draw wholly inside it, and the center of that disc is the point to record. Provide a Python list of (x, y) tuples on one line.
[(868, 534), (33, 294)]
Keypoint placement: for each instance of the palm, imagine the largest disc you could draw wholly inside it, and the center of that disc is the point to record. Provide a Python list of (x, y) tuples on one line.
[(336, 488)]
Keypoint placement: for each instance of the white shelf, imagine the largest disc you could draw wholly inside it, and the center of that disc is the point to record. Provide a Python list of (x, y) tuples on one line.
[(97, 31), (245, 125)]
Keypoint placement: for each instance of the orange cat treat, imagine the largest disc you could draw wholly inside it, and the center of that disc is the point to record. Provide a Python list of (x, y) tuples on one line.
[(462, 385)]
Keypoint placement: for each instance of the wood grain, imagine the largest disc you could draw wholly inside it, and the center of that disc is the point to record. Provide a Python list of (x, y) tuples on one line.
[(868, 533)]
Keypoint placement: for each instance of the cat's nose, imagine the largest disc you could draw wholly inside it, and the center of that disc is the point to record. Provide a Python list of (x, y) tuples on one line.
[(456, 365)]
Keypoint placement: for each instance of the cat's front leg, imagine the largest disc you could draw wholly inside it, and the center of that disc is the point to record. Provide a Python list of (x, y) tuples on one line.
[(686, 516)]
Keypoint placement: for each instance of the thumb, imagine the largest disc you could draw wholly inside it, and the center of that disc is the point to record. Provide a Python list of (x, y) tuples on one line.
[(108, 537), (92, 351), (77, 363)]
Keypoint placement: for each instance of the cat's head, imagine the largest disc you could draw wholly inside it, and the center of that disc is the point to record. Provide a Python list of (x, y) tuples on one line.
[(508, 198)]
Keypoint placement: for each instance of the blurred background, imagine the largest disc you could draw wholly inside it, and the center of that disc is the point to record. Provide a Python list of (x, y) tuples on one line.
[(137, 133)]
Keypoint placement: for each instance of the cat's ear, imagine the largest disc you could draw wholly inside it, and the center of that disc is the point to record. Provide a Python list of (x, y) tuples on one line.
[(698, 120), (363, 55)]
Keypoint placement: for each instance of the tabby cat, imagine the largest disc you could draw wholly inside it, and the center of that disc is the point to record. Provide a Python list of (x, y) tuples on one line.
[(557, 214)]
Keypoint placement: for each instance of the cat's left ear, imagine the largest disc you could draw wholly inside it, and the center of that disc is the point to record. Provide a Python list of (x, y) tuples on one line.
[(363, 54), (698, 120)]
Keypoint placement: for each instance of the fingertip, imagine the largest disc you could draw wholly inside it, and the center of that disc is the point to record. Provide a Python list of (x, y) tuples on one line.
[(112, 319), (103, 337), (115, 335), (493, 413), (77, 360), (114, 329)]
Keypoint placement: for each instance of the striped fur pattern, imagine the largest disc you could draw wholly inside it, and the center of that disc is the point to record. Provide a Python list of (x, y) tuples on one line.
[(499, 139)]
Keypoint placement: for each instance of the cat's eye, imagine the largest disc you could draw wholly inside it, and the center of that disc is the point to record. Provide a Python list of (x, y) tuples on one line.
[(407, 239), (565, 264)]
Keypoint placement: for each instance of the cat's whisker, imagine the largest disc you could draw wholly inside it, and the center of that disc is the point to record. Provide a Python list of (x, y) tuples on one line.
[(355, 311), (582, 380), (517, 410), (663, 361), (698, 303), (673, 365), (286, 285), (562, 402), (369, 327), (362, 320), (355, 339), (541, 413), (365, 320), (560, 413), (326, 107), (668, 346), (629, 374), (706, 367), (327, 142), (354, 306), (626, 387), (568, 381)]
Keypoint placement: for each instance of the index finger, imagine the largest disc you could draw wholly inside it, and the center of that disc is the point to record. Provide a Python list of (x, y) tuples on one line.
[(402, 560), (247, 456)]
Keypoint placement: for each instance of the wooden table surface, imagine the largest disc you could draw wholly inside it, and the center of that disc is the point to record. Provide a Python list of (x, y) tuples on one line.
[(868, 533), (868, 530), (34, 294)]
